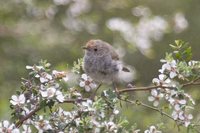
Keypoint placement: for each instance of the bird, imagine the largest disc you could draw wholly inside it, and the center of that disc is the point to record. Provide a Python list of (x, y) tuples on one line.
[(102, 63)]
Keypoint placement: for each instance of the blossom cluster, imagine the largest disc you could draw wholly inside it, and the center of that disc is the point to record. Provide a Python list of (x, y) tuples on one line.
[(44, 90), (170, 90), (87, 83)]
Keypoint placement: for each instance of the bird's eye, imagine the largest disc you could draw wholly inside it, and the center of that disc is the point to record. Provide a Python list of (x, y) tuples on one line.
[(95, 49)]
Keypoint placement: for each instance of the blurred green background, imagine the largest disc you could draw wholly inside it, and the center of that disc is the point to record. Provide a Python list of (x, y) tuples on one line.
[(140, 30)]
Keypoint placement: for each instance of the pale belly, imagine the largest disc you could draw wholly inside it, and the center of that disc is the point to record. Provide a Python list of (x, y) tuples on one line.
[(101, 71)]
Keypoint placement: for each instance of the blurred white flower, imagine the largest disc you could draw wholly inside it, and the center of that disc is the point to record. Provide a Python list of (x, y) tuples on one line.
[(87, 83), (123, 26), (141, 11), (26, 129), (141, 34), (79, 7), (181, 22), (18, 100), (152, 129), (115, 111), (61, 2)]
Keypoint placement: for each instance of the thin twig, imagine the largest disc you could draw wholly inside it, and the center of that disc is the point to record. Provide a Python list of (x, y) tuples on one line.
[(147, 106), (142, 88), (93, 95)]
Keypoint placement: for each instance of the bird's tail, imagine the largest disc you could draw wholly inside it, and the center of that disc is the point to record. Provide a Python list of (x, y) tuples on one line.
[(126, 76)]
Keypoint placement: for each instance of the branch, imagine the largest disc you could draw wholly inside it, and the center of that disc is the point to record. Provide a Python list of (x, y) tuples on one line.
[(21, 121), (142, 88), (73, 100), (193, 82)]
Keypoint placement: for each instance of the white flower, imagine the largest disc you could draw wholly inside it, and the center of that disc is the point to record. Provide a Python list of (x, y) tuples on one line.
[(180, 115), (42, 125), (188, 120), (161, 80), (49, 93), (152, 129), (60, 75), (87, 83), (87, 105), (110, 126), (175, 115), (59, 96), (115, 111), (18, 100), (155, 97), (26, 129), (6, 127), (45, 77), (34, 67), (192, 63), (169, 67)]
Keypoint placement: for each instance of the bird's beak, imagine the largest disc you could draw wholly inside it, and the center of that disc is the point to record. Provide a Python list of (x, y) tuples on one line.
[(84, 47)]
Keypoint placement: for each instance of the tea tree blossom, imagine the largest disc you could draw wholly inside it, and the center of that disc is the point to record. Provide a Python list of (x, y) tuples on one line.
[(18, 100), (6, 127), (87, 83), (152, 129), (155, 97), (169, 67)]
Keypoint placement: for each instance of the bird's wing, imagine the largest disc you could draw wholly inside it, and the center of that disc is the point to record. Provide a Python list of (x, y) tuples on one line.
[(114, 55)]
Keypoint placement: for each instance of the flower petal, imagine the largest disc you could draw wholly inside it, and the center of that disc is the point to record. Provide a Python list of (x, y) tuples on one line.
[(155, 103), (82, 84), (87, 88), (84, 76), (150, 98)]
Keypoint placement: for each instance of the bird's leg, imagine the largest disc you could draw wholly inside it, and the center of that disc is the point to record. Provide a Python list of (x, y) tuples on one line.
[(117, 92), (115, 88), (93, 95)]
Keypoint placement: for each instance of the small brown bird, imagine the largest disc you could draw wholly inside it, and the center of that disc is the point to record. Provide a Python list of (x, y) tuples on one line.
[(102, 63)]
